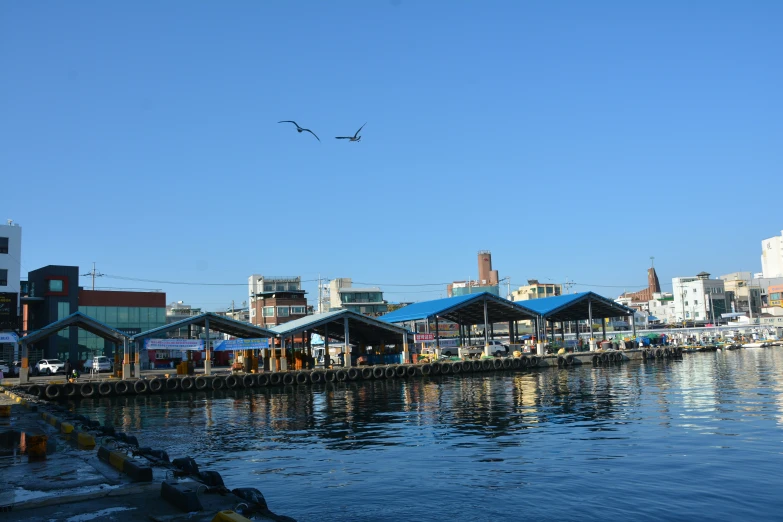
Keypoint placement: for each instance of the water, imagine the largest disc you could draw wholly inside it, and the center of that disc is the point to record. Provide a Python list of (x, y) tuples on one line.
[(697, 439)]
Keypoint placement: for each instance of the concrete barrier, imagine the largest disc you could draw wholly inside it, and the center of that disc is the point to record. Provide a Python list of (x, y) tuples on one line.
[(126, 465)]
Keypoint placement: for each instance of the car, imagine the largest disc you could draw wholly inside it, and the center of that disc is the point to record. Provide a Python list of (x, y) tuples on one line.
[(497, 348), (101, 364), (4, 368), (49, 366)]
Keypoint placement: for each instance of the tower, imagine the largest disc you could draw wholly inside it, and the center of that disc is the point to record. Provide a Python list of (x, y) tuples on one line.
[(485, 267)]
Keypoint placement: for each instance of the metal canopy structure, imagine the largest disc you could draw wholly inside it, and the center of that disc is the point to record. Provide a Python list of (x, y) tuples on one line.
[(332, 324), (576, 307), (464, 310), (213, 322), (78, 319), (85, 322)]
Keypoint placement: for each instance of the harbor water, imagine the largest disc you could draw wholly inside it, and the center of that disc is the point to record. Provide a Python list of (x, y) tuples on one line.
[(692, 439)]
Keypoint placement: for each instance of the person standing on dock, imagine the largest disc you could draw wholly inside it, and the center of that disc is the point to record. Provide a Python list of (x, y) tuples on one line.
[(67, 368)]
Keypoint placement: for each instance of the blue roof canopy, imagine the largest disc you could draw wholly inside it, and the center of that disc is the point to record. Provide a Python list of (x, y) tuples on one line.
[(218, 323), (85, 322), (463, 309), (576, 307)]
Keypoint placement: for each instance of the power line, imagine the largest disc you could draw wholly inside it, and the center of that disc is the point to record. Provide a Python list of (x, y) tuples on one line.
[(186, 283)]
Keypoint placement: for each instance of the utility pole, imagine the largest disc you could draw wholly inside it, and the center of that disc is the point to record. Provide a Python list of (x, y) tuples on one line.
[(94, 274), (319, 293)]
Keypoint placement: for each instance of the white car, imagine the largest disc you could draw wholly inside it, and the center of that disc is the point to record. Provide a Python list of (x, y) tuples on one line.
[(101, 364), (49, 366)]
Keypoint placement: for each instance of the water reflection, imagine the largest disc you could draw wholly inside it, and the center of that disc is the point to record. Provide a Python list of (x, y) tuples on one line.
[(491, 439)]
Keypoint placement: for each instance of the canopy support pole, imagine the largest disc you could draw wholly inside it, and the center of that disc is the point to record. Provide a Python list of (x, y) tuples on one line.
[(486, 329), (633, 322), (137, 360), (406, 358), (590, 321), (207, 357), (126, 367), (24, 370), (347, 357), (437, 337), (603, 328), (284, 353), (327, 357)]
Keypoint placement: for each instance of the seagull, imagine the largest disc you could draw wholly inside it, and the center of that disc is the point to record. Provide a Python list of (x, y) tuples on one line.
[(300, 129), (355, 137)]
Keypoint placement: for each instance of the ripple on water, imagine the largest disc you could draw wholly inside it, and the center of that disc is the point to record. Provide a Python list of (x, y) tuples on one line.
[(693, 439)]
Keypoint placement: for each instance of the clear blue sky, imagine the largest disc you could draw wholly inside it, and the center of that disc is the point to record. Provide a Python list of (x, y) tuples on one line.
[(572, 139)]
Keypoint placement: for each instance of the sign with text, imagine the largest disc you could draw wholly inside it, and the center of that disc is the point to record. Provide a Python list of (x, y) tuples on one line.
[(423, 337), (174, 344), (240, 344), (8, 337), (8, 311)]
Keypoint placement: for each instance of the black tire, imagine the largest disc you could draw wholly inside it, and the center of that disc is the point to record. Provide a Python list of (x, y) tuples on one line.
[(232, 381), (410, 371), (658, 353), (140, 387), (105, 388), (53, 392), (275, 378), (342, 375), (560, 361), (187, 383), (389, 372), (426, 369), (596, 360), (302, 378), (288, 379), (330, 376), (353, 374), (367, 373), (218, 383), (172, 384), (487, 364), (606, 358), (507, 363), (155, 385), (249, 381), (201, 383), (35, 390), (317, 377), (456, 367), (497, 353), (378, 372), (524, 362), (87, 390), (535, 361), (445, 368), (516, 363), (122, 388), (569, 360), (400, 371), (436, 368), (70, 390), (497, 364), (262, 380), (618, 357)]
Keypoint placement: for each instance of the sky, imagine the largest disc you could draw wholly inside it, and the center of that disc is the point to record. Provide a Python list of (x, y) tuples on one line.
[(574, 140)]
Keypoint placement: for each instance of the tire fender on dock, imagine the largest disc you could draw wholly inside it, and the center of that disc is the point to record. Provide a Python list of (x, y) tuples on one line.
[(155, 385), (87, 390), (53, 392), (187, 383), (122, 388), (105, 388), (139, 387)]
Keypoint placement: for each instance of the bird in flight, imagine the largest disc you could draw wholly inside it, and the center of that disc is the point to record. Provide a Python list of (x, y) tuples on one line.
[(300, 129), (355, 137)]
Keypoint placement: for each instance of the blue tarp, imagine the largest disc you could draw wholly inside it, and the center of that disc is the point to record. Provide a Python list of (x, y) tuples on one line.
[(467, 308)]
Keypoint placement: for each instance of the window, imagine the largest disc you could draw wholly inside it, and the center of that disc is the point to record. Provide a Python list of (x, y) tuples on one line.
[(3, 277), (687, 314), (696, 315), (269, 311), (280, 287), (55, 285), (269, 287), (282, 311), (695, 301), (3, 245), (252, 312), (297, 310), (293, 286), (686, 303)]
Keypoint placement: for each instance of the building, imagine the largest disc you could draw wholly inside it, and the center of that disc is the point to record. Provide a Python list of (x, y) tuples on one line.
[(699, 299), (661, 308), (275, 300), (536, 290), (237, 314), (641, 300), (10, 275), (52, 293), (772, 256), (775, 294), (743, 294), (488, 279), (367, 301)]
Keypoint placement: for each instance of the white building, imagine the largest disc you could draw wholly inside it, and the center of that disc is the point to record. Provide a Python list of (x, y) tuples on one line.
[(698, 299), (772, 256), (10, 274), (368, 301), (661, 306)]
